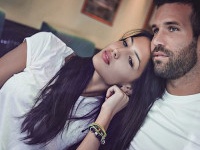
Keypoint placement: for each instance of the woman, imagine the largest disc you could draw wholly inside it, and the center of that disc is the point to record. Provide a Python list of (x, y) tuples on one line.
[(73, 88)]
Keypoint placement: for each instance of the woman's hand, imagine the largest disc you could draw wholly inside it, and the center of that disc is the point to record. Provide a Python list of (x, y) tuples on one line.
[(115, 101)]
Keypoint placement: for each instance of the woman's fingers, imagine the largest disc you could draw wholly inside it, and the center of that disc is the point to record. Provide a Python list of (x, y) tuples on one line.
[(116, 99), (113, 90)]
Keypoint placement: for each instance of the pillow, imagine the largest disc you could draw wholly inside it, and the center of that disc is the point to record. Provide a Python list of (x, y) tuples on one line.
[(46, 27), (2, 19), (82, 47)]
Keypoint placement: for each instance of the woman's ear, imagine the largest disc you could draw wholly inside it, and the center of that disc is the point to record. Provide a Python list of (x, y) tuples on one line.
[(127, 89)]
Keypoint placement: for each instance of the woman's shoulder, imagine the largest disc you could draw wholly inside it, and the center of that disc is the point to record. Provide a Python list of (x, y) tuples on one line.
[(47, 37)]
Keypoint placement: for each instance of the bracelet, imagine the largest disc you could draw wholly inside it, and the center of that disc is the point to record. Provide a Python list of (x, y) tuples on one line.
[(99, 132)]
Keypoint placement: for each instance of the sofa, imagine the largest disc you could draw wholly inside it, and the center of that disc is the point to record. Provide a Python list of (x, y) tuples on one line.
[(2, 19), (81, 46), (13, 33)]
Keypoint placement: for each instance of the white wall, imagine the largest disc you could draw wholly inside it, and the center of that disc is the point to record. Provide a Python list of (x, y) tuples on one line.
[(66, 16)]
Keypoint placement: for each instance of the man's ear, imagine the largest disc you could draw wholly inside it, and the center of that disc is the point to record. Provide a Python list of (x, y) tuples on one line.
[(127, 89), (198, 46), (198, 43)]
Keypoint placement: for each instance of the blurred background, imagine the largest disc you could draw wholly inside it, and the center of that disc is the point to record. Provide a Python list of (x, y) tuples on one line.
[(66, 16)]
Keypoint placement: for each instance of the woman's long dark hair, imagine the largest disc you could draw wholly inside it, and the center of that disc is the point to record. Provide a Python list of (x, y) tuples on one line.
[(54, 105), (125, 125)]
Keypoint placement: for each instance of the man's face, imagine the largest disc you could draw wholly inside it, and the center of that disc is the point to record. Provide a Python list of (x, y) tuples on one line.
[(174, 50)]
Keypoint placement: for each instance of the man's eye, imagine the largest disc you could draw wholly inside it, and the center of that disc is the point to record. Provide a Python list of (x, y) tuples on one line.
[(130, 61), (125, 43), (172, 29)]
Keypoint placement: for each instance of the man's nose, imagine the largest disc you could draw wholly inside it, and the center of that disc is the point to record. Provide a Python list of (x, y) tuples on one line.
[(158, 39)]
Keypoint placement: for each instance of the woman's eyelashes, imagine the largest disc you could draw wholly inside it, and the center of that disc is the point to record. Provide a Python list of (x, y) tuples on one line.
[(130, 60), (125, 43)]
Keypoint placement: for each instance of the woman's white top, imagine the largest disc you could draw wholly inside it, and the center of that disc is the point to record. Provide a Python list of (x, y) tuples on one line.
[(45, 56)]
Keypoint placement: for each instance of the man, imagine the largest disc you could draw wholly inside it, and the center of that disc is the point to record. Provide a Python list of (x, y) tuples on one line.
[(173, 122)]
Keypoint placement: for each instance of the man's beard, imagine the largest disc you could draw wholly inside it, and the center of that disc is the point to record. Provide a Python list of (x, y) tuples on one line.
[(178, 64)]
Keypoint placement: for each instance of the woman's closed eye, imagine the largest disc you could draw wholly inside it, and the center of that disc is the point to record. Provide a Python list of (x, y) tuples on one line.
[(125, 43), (130, 61)]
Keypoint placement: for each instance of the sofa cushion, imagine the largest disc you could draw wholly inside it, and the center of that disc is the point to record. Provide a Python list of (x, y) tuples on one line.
[(2, 19), (81, 46)]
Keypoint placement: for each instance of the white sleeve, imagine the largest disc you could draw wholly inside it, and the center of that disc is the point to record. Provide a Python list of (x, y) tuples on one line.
[(45, 55), (42, 46)]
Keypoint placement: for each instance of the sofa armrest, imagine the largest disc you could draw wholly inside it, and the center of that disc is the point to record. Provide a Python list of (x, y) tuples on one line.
[(2, 20), (13, 34)]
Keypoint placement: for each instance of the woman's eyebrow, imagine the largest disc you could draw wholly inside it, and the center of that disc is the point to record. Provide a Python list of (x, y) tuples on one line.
[(137, 56), (132, 39)]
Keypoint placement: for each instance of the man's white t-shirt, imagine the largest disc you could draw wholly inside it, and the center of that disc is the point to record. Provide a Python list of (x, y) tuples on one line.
[(45, 56), (173, 123)]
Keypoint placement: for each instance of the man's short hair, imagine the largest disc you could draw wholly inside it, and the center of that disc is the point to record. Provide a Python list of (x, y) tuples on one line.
[(195, 16)]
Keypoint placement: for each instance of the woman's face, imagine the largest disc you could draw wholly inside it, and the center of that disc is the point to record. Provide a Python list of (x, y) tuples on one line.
[(122, 62)]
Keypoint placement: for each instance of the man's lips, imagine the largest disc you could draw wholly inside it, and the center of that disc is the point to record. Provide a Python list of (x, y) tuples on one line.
[(159, 54), (106, 57)]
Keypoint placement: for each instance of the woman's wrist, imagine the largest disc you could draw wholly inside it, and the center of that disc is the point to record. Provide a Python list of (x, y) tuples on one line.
[(104, 118)]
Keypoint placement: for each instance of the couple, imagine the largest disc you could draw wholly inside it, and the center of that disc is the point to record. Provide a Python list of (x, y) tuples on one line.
[(71, 90)]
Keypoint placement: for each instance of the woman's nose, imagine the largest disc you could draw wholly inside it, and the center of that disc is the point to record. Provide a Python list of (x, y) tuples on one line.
[(116, 53)]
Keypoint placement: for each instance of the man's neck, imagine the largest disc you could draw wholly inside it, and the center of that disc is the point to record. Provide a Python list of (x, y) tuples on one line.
[(187, 85)]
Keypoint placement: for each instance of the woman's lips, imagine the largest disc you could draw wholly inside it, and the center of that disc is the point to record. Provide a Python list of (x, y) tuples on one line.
[(106, 57)]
